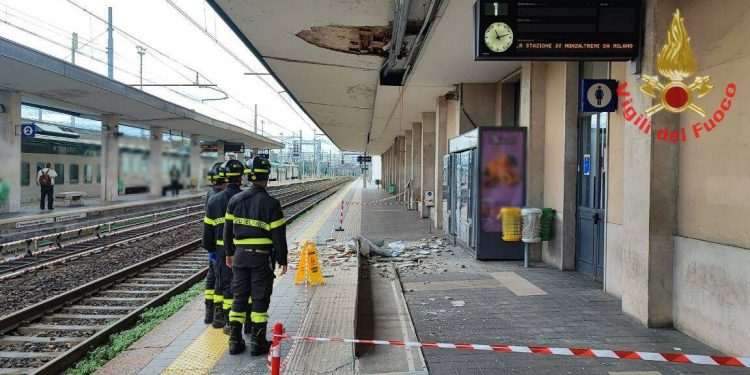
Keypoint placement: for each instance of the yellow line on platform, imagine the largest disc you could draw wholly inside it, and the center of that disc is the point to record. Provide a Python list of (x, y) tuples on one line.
[(202, 355), (312, 230)]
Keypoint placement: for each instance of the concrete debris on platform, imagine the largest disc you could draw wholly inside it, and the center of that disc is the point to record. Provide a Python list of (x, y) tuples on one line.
[(424, 256), (332, 256)]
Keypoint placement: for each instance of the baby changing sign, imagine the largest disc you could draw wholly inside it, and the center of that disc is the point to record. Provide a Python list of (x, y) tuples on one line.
[(598, 95)]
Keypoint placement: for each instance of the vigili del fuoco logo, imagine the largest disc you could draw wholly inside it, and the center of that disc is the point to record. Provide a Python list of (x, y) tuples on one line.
[(676, 62)]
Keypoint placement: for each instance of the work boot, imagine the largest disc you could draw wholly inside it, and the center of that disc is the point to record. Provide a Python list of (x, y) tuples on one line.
[(219, 318), (258, 343), (226, 319), (236, 342), (209, 318)]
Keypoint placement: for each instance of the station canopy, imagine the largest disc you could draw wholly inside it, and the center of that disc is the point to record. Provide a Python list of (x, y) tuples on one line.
[(332, 57), (49, 82)]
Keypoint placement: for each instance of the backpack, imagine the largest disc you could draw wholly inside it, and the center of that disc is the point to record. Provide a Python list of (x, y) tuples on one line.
[(45, 179)]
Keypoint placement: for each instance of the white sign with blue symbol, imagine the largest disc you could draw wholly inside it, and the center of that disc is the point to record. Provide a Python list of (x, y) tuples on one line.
[(598, 95), (28, 130), (586, 164)]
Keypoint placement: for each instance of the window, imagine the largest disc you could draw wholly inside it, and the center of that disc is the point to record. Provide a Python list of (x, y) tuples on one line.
[(88, 173), (60, 170), (25, 174), (74, 175), (98, 174)]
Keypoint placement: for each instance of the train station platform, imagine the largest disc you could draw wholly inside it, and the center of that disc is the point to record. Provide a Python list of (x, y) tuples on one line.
[(94, 211), (433, 292)]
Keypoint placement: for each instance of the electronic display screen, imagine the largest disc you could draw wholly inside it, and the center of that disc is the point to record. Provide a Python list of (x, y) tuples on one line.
[(558, 29), (496, 8)]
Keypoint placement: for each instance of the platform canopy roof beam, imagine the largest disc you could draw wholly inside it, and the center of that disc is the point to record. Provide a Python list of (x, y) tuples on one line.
[(47, 81)]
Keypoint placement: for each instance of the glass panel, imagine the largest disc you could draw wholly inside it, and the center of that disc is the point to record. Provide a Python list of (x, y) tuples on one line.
[(60, 170), (586, 161), (25, 174), (602, 161), (88, 173), (74, 175), (98, 174)]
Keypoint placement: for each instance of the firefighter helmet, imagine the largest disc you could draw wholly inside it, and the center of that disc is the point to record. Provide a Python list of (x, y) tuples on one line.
[(213, 173), (259, 169), (232, 170)]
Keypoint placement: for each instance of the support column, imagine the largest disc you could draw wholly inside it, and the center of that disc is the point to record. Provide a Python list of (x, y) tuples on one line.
[(196, 174), (400, 172), (110, 157), (10, 150), (428, 157), (441, 148), (407, 165), (531, 116), (156, 184), (386, 167), (416, 161), (394, 163), (453, 120), (649, 196), (220, 154)]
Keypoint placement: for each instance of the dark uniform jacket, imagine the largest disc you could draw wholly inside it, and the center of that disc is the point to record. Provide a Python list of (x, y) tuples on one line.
[(213, 223), (254, 220), (210, 194)]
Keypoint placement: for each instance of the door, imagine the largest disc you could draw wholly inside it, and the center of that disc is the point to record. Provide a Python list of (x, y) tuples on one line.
[(592, 182)]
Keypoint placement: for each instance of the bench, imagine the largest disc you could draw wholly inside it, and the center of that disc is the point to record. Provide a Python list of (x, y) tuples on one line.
[(70, 198)]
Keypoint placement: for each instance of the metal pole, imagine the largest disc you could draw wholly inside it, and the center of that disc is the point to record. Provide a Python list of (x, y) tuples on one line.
[(255, 121), (110, 46), (141, 52), (74, 48), (526, 254)]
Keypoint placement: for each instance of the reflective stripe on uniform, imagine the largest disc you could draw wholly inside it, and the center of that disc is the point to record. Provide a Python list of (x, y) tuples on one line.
[(227, 303), (278, 223), (220, 242), (214, 222), (250, 300), (261, 171), (209, 293), (252, 223), (230, 174), (253, 241), (218, 298), (235, 316), (259, 317), (229, 217)]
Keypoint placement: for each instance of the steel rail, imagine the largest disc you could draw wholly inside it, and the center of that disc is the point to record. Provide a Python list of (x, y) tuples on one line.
[(69, 357)]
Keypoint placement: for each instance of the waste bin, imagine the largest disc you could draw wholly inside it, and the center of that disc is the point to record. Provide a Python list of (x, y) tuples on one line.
[(510, 217), (530, 217), (391, 188), (546, 224)]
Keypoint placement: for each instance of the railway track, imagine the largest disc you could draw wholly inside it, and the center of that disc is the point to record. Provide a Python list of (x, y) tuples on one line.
[(50, 336), (69, 245)]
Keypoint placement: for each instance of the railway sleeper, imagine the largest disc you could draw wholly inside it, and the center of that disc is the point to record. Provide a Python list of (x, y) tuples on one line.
[(58, 317), (28, 354), (37, 328)]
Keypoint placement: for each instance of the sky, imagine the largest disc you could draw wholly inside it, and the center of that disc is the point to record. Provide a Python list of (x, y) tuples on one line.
[(176, 50)]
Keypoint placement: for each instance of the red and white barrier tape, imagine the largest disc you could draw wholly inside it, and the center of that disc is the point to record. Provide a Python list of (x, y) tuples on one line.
[(377, 201), (713, 360)]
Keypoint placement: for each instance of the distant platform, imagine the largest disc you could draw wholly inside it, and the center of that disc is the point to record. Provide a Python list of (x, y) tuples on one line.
[(32, 220)]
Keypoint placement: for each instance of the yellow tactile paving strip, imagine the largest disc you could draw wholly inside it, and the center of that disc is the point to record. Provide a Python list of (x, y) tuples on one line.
[(202, 355)]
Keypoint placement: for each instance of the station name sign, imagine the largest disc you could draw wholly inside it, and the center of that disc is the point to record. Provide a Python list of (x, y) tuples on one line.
[(557, 29)]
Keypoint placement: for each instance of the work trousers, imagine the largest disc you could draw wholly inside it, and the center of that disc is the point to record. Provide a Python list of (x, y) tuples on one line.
[(223, 284), (252, 278), (210, 282), (49, 193)]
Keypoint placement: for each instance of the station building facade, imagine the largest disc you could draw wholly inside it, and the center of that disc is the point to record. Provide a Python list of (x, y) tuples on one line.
[(661, 219)]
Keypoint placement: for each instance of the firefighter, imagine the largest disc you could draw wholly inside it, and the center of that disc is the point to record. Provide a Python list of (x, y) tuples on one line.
[(255, 240), (213, 177), (213, 239)]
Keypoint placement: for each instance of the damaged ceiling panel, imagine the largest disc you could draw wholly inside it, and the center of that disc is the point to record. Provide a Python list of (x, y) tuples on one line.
[(361, 40)]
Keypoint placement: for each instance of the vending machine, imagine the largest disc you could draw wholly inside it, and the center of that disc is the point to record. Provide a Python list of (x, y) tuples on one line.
[(488, 172)]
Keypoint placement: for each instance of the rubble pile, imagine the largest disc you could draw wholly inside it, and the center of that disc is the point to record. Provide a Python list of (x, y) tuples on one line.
[(423, 256), (332, 256)]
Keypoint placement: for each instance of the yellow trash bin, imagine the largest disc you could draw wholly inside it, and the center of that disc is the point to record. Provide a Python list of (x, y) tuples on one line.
[(510, 217)]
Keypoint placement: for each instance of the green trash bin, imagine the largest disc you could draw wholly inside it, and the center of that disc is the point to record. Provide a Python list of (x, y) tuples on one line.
[(546, 223), (391, 188)]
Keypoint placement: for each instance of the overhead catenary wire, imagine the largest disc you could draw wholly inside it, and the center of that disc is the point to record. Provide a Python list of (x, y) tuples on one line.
[(138, 41)]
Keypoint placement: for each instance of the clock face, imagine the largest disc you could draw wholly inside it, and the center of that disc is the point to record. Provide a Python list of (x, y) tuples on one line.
[(498, 37)]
